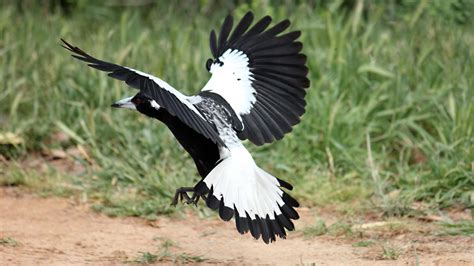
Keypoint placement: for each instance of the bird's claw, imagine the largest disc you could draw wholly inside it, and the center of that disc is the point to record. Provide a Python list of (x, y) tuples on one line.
[(182, 196)]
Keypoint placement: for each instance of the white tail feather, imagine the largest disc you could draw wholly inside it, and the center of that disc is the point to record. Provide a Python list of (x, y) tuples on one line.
[(241, 183)]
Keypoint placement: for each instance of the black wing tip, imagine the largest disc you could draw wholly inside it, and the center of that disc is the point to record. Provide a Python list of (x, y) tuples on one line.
[(226, 28), (67, 45), (248, 16), (64, 42), (71, 47), (267, 17), (213, 43), (286, 23), (78, 53), (228, 19)]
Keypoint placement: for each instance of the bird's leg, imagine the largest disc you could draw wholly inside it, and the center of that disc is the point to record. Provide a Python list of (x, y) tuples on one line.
[(182, 194)]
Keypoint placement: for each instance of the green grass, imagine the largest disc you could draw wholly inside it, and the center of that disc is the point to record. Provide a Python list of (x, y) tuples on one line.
[(464, 227), (339, 228), (9, 242), (317, 229), (146, 258), (49, 182), (390, 107), (390, 252), (364, 243), (166, 256)]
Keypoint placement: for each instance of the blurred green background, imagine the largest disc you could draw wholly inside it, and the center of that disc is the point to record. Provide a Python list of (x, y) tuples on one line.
[(389, 121)]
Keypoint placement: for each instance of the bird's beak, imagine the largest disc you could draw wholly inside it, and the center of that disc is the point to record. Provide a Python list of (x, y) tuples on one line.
[(125, 103)]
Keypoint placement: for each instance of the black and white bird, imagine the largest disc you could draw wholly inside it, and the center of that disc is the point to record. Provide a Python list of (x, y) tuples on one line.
[(256, 92)]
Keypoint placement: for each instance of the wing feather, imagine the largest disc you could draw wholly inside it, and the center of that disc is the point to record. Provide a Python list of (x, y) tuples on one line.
[(241, 28), (225, 31), (262, 74), (166, 96), (213, 43)]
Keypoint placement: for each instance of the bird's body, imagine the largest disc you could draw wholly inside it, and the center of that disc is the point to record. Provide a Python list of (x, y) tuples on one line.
[(204, 152), (256, 92)]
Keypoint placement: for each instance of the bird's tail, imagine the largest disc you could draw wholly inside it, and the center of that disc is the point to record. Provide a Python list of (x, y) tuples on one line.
[(238, 186)]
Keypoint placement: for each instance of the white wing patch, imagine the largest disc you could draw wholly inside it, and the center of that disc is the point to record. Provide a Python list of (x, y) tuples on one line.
[(232, 80), (186, 100), (155, 105)]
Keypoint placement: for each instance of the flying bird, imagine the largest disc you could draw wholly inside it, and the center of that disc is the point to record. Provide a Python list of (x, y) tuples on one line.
[(256, 92)]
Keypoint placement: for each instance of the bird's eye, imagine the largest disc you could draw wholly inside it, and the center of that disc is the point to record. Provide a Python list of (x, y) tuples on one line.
[(137, 100), (208, 64)]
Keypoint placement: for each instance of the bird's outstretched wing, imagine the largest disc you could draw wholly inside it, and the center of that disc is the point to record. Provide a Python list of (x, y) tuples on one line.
[(166, 96), (261, 73)]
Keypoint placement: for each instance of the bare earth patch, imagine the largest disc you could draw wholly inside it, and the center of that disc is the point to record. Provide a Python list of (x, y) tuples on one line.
[(60, 231)]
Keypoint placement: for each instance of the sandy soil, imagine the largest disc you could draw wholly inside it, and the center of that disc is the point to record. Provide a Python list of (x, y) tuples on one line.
[(60, 231)]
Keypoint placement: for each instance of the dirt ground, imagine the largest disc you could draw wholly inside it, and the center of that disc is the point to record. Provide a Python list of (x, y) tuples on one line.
[(60, 231)]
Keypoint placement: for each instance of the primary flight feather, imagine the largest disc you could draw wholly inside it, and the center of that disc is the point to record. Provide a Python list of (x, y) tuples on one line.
[(256, 92)]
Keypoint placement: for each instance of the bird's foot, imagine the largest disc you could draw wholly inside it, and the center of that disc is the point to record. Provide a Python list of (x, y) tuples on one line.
[(182, 195)]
